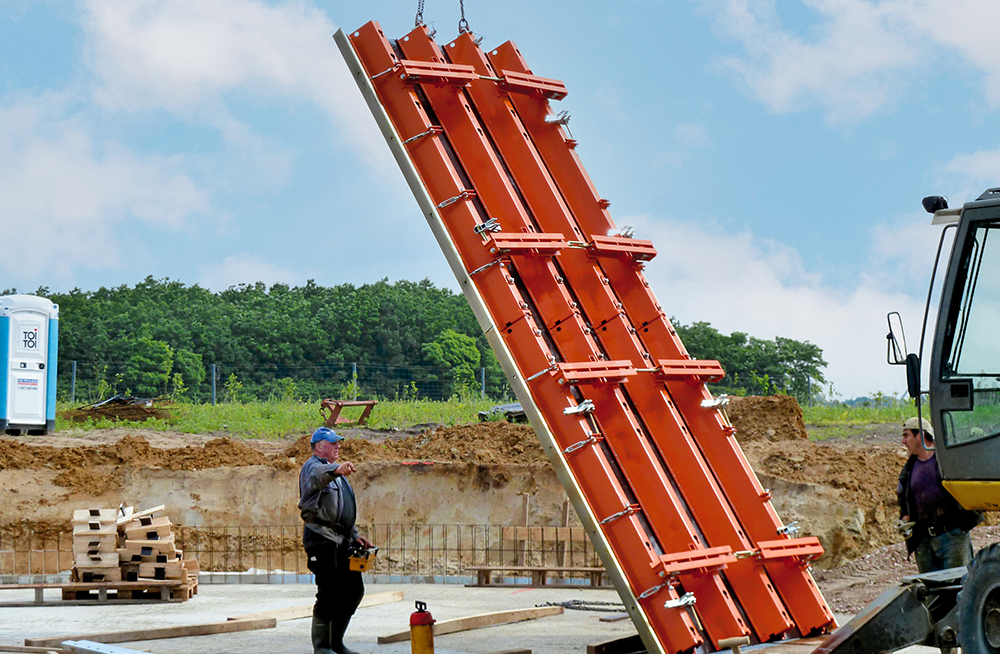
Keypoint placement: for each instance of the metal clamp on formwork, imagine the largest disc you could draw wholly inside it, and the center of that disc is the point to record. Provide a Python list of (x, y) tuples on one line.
[(511, 243), (801, 550), (434, 130), (716, 403), (464, 195), (690, 370), (593, 438), (491, 225), (587, 406), (419, 72), (708, 559), (561, 118), (637, 249), (790, 529), (628, 510), (512, 82), (687, 599), (595, 372)]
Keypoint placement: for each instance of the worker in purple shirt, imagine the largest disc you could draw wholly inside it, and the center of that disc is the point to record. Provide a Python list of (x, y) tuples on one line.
[(329, 510), (934, 523)]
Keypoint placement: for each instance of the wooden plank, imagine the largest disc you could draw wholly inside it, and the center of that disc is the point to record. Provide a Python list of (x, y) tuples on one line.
[(299, 612), (477, 621), (31, 650), (204, 629)]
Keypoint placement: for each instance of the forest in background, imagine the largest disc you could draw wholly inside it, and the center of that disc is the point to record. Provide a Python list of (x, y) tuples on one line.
[(405, 340)]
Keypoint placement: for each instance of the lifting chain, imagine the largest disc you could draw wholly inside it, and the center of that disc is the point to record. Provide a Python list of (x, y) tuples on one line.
[(420, 14), (587, 605), (463, 25)]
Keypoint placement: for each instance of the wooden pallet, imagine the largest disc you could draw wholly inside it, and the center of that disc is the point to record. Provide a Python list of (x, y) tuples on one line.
[(111, 592)]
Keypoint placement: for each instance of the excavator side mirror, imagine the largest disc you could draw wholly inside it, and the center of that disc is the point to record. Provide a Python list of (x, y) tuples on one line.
[(913, 375), (896, 340)]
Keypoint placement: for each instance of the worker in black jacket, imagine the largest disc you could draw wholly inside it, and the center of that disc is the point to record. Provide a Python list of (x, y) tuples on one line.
[(934, 523), (329, 510)]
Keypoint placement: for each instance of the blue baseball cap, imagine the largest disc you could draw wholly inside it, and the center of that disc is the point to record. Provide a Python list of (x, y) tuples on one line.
[(325, 434)]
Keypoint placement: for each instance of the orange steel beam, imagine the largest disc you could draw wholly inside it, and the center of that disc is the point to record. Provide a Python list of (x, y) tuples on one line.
[(755, 513), (504, 194)]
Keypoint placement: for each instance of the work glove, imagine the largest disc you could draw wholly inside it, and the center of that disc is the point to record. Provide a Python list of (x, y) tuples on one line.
[(905, 529)]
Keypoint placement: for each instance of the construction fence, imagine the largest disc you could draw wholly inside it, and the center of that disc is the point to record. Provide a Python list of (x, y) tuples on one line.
[(273, 554), (90, 381)]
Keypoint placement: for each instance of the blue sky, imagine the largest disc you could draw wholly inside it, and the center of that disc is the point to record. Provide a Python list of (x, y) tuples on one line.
[(775, 152)]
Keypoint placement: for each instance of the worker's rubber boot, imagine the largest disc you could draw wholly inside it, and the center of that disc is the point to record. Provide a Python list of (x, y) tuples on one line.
[(337, 629), (322, 636)]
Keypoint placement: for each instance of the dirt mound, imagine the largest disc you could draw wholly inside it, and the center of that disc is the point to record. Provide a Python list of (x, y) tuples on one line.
[(771, 418), (484, 443)]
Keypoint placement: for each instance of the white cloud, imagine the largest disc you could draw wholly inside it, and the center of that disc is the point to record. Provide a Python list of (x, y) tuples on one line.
[(738, 282), (66, 197), (186, 56), (244, 268), (858, 55)]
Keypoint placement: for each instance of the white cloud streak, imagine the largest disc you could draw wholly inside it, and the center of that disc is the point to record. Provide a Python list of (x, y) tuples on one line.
[(65, 196), (737, 282), (859, 55), (188, 57)]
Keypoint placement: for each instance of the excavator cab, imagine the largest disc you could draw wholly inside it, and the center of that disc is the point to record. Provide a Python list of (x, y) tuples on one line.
[(964, 375), (958, 607)]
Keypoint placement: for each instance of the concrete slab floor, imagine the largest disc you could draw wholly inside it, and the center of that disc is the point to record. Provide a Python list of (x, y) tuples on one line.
[(568, 633)]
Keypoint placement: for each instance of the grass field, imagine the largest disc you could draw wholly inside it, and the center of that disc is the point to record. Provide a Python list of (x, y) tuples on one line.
[(276, 419)]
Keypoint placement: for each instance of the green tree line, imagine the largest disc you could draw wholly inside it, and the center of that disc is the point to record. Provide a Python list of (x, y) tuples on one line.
[(161, 336)]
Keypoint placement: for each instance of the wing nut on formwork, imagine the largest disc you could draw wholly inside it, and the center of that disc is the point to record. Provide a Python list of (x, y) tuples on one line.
[(791, 529), (561, 118), (587, 406), (491, 225), (716, 403), (687, 599), (593, 438), (628, 510)]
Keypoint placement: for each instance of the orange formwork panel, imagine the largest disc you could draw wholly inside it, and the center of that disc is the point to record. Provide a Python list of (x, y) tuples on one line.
[(791, 579), (767, 613), (566, 310), (663, 509)]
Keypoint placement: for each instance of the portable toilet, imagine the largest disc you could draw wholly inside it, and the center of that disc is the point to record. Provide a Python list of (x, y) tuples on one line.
[(29, 338)]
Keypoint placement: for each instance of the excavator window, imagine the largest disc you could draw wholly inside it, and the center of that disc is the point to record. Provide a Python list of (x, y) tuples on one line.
[(970, 353)]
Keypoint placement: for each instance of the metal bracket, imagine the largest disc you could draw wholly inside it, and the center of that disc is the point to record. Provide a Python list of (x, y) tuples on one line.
[(716, 403), (587, 406), (790, 529), (687, 599), (628, 231), (491, 225), (561, 118)]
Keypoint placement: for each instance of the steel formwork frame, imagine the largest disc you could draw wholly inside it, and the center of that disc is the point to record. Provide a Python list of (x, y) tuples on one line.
[(647, 457)]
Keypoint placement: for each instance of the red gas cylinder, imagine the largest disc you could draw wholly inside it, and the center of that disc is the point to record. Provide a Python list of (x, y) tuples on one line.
[(421, 630)]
